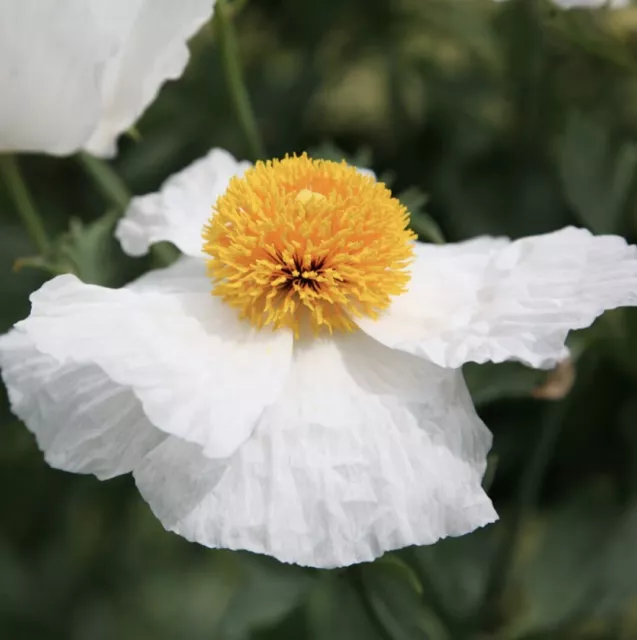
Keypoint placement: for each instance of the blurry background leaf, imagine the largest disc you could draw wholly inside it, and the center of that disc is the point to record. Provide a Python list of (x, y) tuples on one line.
[(268, 591), (335, 611), (395, 597), (597, 174), (560, 565), (329, 151), (452, 573), (420, 221), (93, 250), (617, 587)]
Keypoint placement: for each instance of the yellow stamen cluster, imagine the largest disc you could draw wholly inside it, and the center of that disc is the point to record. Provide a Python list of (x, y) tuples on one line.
[(300, 242)]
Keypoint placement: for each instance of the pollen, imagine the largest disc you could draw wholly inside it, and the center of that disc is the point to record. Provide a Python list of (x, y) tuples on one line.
[(302, 243)]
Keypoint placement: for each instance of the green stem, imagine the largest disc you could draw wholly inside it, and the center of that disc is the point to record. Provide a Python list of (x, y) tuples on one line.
[(107, 180), (24, 203), (115, 190), (234, 77), (528, 492), (531, 77)]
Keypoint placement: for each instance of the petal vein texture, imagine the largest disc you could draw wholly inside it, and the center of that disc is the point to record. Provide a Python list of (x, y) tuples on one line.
[(198, 373), (367, 450)]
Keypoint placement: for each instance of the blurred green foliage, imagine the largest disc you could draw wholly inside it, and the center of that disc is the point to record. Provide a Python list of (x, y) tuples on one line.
[(514, 118)]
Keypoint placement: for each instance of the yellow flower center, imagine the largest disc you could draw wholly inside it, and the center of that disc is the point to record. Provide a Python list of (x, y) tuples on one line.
[(300, 242)]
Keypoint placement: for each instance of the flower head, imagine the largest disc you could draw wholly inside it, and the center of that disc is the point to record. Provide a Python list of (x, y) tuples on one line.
[(242, 429), (78, 73), (312, 240)]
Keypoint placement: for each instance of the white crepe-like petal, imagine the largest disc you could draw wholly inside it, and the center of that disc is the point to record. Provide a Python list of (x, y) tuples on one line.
[(184, 276), (84, 422), (199, 372), (367, 450), (178, 212), (154, 51), (492, 300), (77, 73)]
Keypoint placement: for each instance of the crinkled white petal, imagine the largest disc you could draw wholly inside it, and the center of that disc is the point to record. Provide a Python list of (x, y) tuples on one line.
[(490, 299), (83, 421), (77, 73), (154, 51), (179, 211), (199, 372), (186, 275), (366, 450)]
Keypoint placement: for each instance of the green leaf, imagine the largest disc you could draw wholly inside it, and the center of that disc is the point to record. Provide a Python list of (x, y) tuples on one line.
[(581, 31), (597, 173), (560, 564), (92, 249), (421, 222), (189, 601), (453, 572), (89, 250), (16, 584), (617, 586), (398, 605), (327, 150), (268, 592), (335, 611), (414, 199)]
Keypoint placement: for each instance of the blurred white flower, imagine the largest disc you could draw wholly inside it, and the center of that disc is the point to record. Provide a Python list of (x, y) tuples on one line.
[(571, 4), (77, 73), (318, 448), (613, 4)]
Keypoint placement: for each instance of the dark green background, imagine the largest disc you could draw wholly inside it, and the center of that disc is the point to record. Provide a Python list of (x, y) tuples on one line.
[(514, 118)]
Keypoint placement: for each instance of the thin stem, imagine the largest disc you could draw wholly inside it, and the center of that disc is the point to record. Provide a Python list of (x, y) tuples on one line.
[(115, 190), (24, 203), (234, 77), (528, 492), (107, 180), (532, 75)]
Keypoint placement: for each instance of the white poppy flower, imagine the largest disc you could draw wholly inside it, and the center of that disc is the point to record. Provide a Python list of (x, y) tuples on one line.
[(292, 385), (77, 73)]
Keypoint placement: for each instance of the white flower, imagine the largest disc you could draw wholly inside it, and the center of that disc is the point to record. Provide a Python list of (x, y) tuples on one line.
[(613, 4), (77, 73), (320, 449), (571, 4)]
